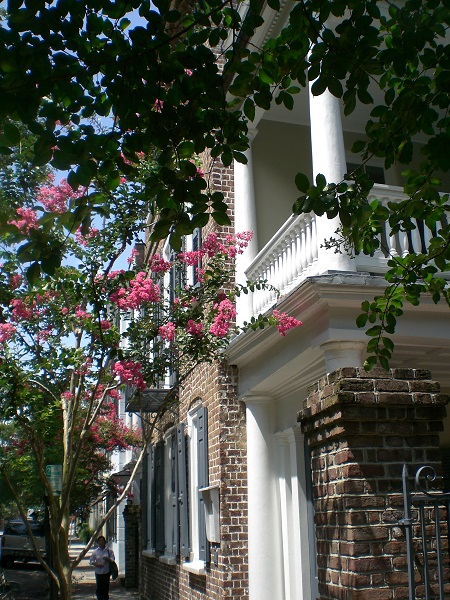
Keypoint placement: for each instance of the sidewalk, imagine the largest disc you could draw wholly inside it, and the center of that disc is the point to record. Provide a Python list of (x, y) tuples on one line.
[(84, 579), (34, 580)]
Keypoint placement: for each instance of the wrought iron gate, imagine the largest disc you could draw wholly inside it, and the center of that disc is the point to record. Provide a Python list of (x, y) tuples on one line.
[(427, 526)]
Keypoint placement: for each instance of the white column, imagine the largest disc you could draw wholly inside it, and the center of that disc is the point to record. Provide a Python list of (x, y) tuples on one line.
[(296, 516), (245, 220), (328, 158), (343, 354), (264, 536)]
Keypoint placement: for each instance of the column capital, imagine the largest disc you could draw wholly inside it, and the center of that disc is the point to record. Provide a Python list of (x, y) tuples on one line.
[(254, 399)]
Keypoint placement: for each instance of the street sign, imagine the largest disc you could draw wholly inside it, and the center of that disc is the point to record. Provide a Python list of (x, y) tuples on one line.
[(54, 475)]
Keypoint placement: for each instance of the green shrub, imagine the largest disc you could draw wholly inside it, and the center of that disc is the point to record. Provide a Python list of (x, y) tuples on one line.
[(85, 532)]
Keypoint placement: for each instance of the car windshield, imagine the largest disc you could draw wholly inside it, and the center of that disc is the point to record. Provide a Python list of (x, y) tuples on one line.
[(19, 528)]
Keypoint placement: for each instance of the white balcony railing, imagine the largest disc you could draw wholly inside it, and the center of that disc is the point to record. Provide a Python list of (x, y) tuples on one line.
[(292, 254), (288, 258)]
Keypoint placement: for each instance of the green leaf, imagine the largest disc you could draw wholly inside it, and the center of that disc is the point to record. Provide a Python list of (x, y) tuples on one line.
[(221, 218), (302, 182), (33, 272), (11, 134)]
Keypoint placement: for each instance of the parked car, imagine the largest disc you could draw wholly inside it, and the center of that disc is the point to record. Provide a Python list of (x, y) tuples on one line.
[(15, 543)]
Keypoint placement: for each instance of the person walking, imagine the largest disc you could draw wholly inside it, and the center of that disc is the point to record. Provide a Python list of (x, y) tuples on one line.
[(100, 559)]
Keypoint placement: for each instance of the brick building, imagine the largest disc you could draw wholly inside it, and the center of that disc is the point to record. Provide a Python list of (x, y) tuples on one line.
[(279, 475)]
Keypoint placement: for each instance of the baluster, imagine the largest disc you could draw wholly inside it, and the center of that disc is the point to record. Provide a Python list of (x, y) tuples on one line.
[(297, 260), (403, 243), (415, 239), (303, 257), (308, 241), (314, 244)]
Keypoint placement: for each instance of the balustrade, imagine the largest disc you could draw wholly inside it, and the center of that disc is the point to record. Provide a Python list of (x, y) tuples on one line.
[(292, 254)]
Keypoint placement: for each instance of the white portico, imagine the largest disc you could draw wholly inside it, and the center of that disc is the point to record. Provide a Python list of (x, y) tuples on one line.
[(325, 291)]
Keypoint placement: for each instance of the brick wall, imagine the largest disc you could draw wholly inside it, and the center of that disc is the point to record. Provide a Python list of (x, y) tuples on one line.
[(215, 387), (361, 427)]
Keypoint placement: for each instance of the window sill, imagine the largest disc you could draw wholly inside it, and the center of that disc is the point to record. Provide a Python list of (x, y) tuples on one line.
[(168, 559), (197, 567), (149, 553)]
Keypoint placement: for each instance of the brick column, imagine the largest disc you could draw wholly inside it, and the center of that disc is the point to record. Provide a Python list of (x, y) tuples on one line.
[(361, 427), (132, 518)]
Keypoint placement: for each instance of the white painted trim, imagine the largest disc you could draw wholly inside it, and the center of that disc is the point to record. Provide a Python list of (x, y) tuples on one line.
[(195, 566)]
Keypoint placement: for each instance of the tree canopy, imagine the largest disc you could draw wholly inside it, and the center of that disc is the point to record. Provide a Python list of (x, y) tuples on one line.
[(176, 80)]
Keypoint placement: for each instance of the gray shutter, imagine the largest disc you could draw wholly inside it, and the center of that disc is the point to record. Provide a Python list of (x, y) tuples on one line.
[(151, 509), (144, 501), (182, 491), (174, 492), (202, 450), (159, 497)]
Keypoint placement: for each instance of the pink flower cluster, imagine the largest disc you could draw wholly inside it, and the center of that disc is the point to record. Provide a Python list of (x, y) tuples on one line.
[(54, 198), (167, 332), (27, 222), (234, 244), (226, 312), (6, 332), (82, 314), (195, 329), (285, 322), (157, 264), (129, 372), (83, 240), (142, 289), (20, 311), (15, 281), (192, 258)]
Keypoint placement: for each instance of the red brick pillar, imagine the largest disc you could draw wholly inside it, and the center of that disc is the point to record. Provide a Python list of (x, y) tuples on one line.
[(132, 517), (361, 428)]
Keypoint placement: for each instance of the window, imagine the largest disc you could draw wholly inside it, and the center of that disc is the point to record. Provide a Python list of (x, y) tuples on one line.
[(173, 513), (165, 520), (375, 173), (198, 479), (196, 245), (170, 494)]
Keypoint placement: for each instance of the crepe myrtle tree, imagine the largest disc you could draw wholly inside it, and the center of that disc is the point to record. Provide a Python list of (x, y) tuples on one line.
[(177, 79), (70, 340)]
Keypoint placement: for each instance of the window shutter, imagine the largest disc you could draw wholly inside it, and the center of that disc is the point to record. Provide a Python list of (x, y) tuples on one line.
[(202, 449), (182, 490), (174, 492), (144, 501), (151, 498), (159, 497)]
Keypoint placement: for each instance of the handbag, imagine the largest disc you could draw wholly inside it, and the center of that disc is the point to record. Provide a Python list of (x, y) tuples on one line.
[(113, 570)]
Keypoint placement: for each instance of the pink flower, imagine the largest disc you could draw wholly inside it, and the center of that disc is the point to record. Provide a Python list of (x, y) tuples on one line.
[(104, 324), (192, 258), (226, 312), (158, 105), (83, 240), (129, 372), (82, 314), (188, 72), (167, 332), (54, 198), (68, 396), (6, 332), (133, 255), (20, 311), (142, 289), (27, 222), (114, 394), (158, 264), (285, 322), (195, 329), (15, 281)]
